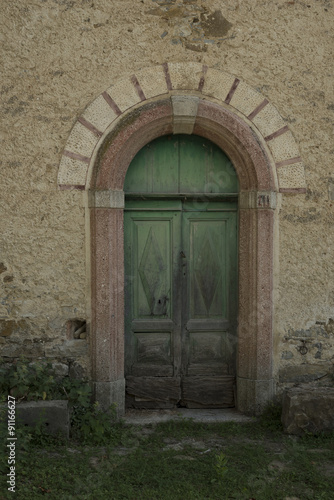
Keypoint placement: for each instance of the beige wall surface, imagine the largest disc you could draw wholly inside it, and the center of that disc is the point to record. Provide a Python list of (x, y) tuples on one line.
[(60, 55)]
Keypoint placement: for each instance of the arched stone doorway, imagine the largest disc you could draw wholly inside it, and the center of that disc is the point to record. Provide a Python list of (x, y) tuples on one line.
[(180, 243), (189, 99)]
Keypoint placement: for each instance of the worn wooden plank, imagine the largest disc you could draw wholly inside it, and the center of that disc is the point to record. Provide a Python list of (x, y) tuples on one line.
[(210, 369), (208, 392), (162, 388), (151, 370), (152, 392)]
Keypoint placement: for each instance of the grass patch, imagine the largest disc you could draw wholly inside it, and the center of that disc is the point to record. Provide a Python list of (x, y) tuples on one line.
[(180, 460)]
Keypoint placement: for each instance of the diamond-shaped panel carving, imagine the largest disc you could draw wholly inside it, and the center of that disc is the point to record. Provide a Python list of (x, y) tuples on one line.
[(207, 270), (152, 269)]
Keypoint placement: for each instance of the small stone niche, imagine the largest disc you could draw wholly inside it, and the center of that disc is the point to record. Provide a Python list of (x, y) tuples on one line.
[(76, 329)]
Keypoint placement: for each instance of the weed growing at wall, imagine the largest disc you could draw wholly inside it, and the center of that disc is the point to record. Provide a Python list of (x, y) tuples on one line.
[(29, 381)]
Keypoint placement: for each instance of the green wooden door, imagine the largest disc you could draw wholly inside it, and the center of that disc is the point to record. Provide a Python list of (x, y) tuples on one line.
[(209, 309), (152, 308), (181, 276)]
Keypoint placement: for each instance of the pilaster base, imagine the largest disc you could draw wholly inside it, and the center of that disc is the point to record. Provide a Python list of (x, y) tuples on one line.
[(109, 393), (254, 395)]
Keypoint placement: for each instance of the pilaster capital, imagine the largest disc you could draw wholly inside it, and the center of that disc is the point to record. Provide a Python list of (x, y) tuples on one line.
[(105, 199)]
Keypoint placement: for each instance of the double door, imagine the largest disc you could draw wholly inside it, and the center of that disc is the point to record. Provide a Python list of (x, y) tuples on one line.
[(180, 304)]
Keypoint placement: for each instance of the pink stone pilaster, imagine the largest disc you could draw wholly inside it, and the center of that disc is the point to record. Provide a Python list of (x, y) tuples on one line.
[(108, 305), (255, 319)]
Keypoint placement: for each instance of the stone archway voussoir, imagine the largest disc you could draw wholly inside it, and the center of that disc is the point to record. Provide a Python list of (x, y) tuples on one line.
[(151, 82)]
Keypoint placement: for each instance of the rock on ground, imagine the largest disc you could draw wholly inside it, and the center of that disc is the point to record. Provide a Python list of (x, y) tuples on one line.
[(308, 410)]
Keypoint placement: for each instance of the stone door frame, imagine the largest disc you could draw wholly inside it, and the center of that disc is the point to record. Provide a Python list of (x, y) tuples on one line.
[(249, 130)]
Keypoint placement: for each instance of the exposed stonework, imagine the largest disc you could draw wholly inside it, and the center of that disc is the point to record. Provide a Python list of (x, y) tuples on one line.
[(307, 355), (191, 24)]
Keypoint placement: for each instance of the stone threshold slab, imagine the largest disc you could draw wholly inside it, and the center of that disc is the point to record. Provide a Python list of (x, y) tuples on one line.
[(144, 417)]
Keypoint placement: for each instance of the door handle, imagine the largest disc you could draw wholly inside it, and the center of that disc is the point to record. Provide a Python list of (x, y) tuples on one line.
[(182, 254)]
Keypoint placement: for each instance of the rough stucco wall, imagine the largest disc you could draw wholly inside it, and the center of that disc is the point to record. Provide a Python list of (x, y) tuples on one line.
[(58, 55)]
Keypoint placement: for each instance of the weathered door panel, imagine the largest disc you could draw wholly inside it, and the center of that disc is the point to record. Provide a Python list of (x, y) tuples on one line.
[(209, 305), (152, 315)]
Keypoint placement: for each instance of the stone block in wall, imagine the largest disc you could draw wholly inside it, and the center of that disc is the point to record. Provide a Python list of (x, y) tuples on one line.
[(308, 410), (9, 327), (70, 348), (77, 371), (27, 349), (60, 369), (299, 374)]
